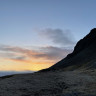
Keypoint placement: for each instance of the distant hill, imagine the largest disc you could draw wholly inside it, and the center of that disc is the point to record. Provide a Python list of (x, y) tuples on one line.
[(83, 56), (4, 73)]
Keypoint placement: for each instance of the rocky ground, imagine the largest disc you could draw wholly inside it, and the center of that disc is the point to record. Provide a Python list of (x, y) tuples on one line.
[(52, 83)]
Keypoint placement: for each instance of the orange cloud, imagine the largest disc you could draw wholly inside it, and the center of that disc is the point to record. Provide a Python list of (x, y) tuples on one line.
[(17, 58)]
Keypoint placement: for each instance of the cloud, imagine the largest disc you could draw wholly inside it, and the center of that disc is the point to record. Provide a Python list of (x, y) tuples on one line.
[(53, 53), (19, 58), (50, 53), (44, 53), (58, 36), (8, 48)]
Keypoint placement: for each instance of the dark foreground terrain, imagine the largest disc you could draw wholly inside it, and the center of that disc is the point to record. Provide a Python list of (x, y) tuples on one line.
[(57, 83)]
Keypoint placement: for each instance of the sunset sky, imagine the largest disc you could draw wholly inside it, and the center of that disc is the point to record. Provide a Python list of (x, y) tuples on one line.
[(35, 34)]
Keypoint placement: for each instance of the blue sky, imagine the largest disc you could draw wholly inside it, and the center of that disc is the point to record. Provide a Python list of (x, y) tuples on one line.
[(47, 25), (20, 18)]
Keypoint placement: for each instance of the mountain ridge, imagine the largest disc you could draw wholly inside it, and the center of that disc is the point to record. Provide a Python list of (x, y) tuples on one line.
[(82, 56)]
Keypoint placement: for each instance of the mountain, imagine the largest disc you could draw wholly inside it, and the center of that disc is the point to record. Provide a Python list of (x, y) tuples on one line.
[(83, 56)]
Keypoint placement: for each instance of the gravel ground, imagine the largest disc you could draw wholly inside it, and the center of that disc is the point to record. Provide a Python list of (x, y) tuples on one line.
[(57, 83)]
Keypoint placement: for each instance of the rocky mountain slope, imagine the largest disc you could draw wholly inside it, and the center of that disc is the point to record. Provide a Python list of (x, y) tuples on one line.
[(83, 56)]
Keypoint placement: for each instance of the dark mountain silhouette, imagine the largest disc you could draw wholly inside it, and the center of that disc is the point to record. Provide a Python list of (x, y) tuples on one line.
[(83, 56)]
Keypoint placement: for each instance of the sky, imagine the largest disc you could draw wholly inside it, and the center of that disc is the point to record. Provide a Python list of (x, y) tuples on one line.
[(35, 34)]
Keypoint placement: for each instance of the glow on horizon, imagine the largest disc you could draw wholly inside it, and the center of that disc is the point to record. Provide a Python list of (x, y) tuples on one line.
[(14, 65)]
